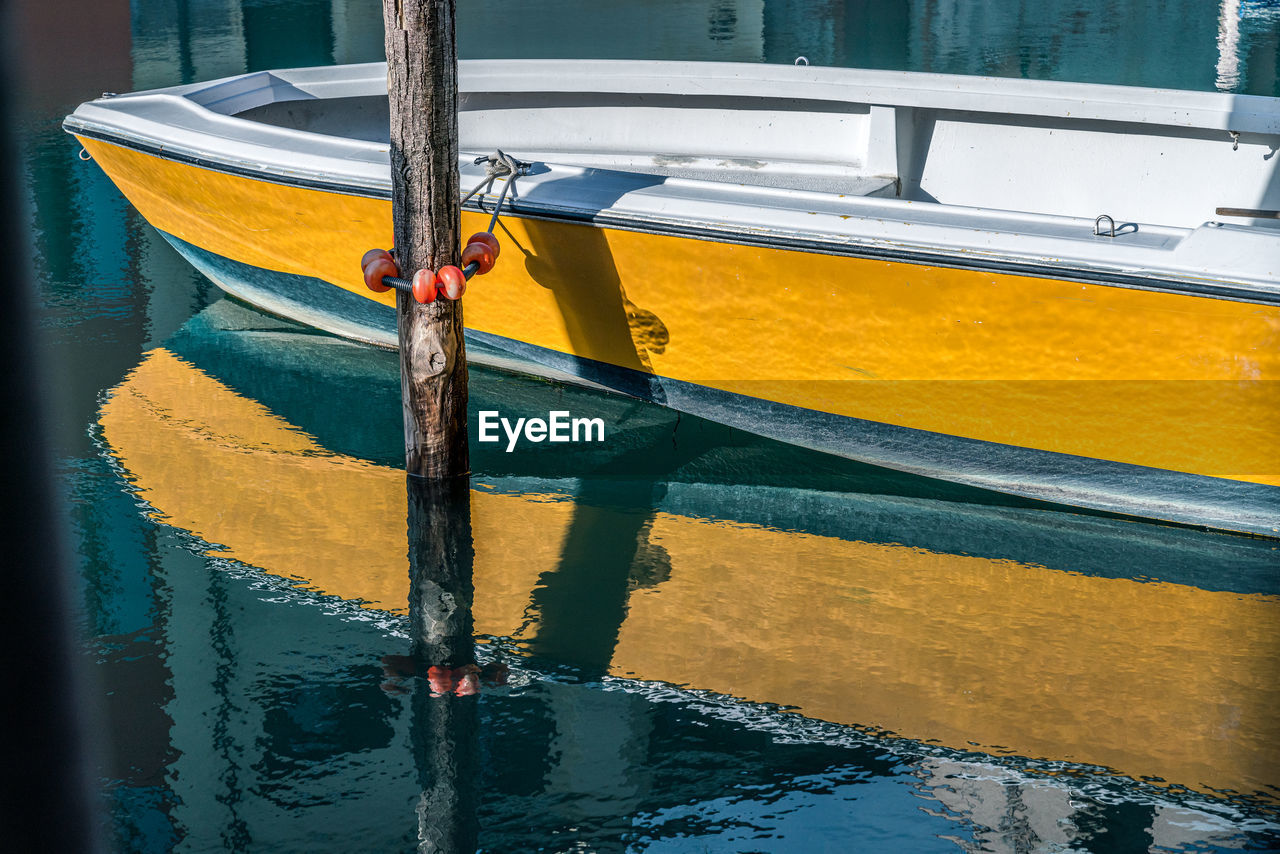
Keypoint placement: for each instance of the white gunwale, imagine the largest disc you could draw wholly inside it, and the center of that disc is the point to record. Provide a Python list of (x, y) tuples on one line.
[(202, 123)]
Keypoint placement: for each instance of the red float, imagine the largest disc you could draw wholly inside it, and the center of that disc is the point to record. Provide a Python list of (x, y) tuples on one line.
[(424, 286), (479, 253), (486, 238), (378, 268), (452, 281), (374, 253)]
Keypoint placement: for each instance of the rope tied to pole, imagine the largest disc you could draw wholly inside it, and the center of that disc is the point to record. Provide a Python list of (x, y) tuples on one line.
[(381, 273)]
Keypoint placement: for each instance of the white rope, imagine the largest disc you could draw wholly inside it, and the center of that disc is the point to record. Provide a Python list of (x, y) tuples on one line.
[(498, 165)]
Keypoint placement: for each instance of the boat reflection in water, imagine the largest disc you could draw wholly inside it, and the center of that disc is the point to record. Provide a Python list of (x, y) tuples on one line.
[(802, 627)]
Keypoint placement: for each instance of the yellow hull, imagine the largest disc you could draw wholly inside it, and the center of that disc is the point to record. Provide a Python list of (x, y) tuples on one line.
[(1160, 380), (1152, 680)]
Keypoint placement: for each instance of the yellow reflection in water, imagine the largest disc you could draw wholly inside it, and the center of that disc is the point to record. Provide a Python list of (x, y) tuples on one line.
[(1172, 680), (1150, 679)]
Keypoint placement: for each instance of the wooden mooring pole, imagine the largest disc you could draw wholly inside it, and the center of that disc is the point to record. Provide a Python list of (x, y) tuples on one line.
[(422, 85)]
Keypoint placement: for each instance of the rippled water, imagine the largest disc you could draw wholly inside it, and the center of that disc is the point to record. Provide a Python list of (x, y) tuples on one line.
[(690, 639)]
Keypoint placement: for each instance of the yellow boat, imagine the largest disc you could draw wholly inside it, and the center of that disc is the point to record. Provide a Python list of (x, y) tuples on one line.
[(1016, 285), (1104, 644)]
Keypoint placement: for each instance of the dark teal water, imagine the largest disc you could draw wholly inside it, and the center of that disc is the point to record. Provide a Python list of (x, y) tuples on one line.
[(678, 677)]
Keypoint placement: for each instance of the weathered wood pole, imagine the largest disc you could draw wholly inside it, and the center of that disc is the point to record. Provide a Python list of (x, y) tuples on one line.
[(441, 560), (422, 85)]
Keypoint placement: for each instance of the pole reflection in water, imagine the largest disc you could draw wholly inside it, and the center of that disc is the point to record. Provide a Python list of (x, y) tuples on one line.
[(441, 560), (445, 726)]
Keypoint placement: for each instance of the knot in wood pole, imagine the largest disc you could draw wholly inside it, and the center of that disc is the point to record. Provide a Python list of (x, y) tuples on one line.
[(422, 88)]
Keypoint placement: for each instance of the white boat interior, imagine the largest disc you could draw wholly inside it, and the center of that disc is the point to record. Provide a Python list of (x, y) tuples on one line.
[(999, 170)]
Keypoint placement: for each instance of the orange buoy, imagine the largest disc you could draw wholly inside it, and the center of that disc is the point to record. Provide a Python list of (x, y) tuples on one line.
[(378, 268), (488, 239), (424, 286), (479, 253), (452, 281), (374, 253)]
